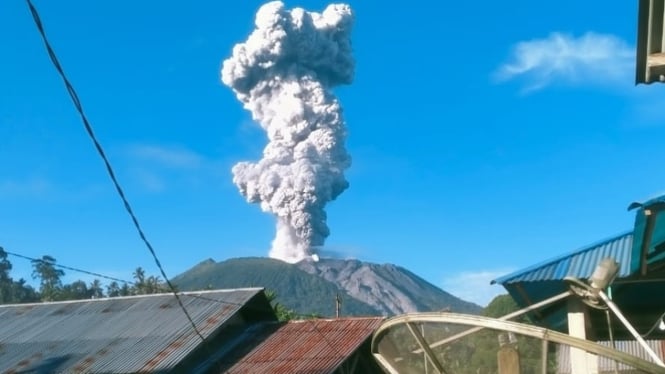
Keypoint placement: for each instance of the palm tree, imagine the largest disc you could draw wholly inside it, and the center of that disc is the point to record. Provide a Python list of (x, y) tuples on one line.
[(95, 289), (49, 276)]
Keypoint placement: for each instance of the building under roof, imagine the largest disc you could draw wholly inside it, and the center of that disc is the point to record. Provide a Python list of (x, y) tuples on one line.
[(637, 289), (151, 334), (147, 334), (319, 346)]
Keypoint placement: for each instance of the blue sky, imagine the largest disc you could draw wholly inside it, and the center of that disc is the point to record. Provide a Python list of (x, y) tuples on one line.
[(485, 136)]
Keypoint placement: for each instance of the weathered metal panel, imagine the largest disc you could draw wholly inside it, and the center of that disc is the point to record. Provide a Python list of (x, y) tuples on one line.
[(309, 346), (114, 335), (579, 264), (607, 365)]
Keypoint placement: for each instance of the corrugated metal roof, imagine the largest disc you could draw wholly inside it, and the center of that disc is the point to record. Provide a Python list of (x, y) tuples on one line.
[(310, 346), (147, 333), (660, 199), (607, 365), (580, 263)]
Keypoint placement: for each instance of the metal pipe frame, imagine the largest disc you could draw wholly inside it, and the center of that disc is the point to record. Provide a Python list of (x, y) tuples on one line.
[(509, 326)]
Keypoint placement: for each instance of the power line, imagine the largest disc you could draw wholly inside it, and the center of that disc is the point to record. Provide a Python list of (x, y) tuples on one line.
[(133, 283), (66, 267), (109, 169), (111, 173), (223, 302)]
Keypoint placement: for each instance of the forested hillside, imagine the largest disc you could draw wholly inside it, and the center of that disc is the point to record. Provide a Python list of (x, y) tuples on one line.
[(294, 288)]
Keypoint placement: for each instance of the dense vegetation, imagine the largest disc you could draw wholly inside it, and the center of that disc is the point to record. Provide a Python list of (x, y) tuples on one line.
[(296, 289), (473, 353), (49, 274), (293, 292), (483, 357)]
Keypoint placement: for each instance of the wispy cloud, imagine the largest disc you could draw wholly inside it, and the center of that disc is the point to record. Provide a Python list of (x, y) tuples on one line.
[(562, 58), (475, 286), (176, 157), (157, 167), (149, 180), (29, 187)]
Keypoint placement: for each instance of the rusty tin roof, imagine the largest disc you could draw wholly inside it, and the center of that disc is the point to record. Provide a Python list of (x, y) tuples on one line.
[(309, 346)]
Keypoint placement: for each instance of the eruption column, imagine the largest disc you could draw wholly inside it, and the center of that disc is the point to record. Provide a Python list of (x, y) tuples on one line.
[(283, 74)]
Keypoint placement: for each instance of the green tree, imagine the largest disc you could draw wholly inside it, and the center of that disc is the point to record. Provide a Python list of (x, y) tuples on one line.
[(283, 313), (23, 293), (140, 286), (139, 275), (500, 306), (113, 289), (12, 291), (95, 289), (6, 282), (125, 290), (76, 290), (479, 350), (153, 284), (50, 284), (147, 285)]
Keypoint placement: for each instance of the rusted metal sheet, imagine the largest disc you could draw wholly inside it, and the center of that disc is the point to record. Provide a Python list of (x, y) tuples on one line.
[(147, 333), (309, 346)]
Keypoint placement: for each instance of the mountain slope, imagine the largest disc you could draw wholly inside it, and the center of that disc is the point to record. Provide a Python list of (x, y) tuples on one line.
[(297, 290), (388, 288), (311, 287)]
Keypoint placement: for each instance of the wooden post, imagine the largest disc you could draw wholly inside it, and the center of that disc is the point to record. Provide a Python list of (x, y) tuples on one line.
[(508, 360)]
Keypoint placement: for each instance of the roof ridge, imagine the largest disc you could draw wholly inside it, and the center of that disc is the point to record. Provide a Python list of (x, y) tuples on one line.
[(130, 297), (365, 318), (550, 261)]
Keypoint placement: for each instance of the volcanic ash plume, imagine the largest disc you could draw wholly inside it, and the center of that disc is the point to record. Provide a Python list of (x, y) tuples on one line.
[(283, 74)]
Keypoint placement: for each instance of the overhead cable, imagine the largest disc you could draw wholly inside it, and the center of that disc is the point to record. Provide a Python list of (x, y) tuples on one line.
[(107, 163)]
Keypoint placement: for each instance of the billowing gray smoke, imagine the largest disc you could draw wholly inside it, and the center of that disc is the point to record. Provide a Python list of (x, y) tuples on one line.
[(283, 74)]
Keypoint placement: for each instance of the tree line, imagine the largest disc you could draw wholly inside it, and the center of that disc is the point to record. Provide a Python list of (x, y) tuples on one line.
[(51, 287)]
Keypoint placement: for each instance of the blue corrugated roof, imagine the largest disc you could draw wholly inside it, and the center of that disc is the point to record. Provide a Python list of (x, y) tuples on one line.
[(580, 263), (650, 202)]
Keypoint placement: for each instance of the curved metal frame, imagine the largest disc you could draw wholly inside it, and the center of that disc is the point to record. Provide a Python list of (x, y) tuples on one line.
[(502, 325)]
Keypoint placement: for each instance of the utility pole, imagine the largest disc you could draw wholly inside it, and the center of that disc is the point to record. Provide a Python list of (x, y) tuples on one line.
[(338, 303)]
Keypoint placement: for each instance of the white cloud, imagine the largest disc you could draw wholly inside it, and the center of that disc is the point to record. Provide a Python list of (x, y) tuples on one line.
[(149, 180), (475, 286), (30, 187), (176, 157), (562, 58), (158, 167)]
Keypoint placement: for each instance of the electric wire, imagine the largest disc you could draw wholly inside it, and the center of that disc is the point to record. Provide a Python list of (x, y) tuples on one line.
[(133, 283), (98, 275), (111, 173), (222, 302), (109, 169), (660, 320), (124, 281)]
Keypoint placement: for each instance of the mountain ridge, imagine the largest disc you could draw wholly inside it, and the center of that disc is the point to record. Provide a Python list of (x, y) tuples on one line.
[(311, 288), (389, 288)]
